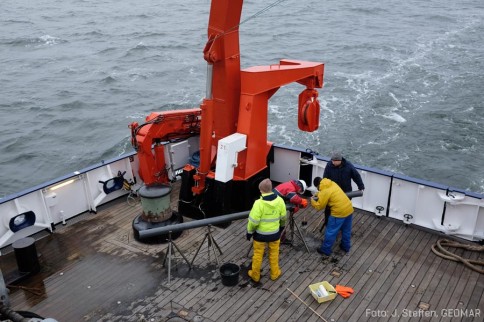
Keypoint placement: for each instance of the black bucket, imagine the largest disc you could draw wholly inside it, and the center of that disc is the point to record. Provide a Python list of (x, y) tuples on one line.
[(230, 274)]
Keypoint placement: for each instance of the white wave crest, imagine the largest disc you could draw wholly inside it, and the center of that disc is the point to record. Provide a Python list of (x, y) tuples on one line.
[(395, 117), (50, 40)]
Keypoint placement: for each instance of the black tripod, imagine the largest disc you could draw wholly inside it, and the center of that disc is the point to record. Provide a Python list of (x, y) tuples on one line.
[(212, 244), (294, 230), (170, 253)]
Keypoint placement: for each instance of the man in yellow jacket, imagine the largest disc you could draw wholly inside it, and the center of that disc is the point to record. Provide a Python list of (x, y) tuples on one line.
[(267, 219), (331, 195)]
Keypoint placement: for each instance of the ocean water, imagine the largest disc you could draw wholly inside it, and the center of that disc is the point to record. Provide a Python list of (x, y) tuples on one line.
[(404, 80)]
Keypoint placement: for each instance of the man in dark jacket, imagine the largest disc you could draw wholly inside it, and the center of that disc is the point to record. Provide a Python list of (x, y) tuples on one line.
[(341, 171)]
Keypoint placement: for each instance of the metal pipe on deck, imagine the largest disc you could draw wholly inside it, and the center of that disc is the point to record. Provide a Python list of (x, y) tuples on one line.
[(354, 194), (212, 221), (193, 224)]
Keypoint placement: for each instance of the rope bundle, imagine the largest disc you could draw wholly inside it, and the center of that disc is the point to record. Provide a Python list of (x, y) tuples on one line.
[(439, 250)]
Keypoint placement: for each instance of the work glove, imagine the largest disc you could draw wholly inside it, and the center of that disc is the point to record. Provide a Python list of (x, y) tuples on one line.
[(344, 291), (281, 228), (304, 203), (248, 236)]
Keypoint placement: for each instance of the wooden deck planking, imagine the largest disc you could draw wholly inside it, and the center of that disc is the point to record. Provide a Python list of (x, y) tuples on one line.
[(374, 270), (195, 284), (286, 305), (420, 279), (476, 297), (203, 286), (395, 274), (210, 305), (425, 286), (261, 300), (314, 271), (358, 230), (361, 258), (455, 301), (379, 291), (177, 283), (297, 278), (432, 294), (245, 260), (403, 283), (99, 251), (325, 268), (307, 270), (441, 295)]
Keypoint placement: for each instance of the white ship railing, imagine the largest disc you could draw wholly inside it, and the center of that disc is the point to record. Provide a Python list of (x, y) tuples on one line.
[(426, 204), (412, 201)]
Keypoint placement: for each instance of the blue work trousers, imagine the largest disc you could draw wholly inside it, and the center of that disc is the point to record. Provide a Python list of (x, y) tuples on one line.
[(334, 225)]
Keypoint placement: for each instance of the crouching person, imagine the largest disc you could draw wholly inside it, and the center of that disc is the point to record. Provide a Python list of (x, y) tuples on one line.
[(267, 219), (341, 216)]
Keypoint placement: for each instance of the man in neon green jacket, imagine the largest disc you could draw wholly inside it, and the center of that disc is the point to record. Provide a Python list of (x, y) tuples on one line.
[(331, 195), (267, 219)]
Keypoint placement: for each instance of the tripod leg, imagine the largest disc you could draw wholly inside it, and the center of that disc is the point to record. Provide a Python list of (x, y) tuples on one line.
[(320, 222), (208, 247), (186, 260), (198, 250), (291, 224), (285, 240), (169, 259), (165, 257), (211, 242), (301, 236)]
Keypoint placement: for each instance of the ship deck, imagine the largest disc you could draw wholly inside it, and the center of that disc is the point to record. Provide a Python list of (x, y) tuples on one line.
[(93, 270)]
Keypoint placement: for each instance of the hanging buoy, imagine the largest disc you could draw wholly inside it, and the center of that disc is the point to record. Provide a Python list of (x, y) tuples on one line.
[(308, 111)]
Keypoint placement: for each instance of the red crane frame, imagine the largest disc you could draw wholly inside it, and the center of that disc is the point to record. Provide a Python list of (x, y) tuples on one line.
[(236, 102)]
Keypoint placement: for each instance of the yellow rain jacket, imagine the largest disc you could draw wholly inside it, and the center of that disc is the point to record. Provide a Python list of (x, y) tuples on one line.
[(330, 194)]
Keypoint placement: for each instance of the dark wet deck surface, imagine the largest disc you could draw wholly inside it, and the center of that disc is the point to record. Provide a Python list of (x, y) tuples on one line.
[(93, 270)]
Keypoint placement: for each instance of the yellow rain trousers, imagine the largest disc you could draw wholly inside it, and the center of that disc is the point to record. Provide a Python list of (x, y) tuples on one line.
[(259, 248)]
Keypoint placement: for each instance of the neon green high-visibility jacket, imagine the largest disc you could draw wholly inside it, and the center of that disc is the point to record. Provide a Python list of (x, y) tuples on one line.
[(267, 215)]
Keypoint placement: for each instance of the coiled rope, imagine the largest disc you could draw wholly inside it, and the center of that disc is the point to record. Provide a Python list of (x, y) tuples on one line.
[(439, 250)]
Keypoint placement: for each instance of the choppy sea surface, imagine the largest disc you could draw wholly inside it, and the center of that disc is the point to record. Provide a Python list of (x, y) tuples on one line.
[(403, 92)]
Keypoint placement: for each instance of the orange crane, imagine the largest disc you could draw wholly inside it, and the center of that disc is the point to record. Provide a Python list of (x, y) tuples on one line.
[(233, 115)]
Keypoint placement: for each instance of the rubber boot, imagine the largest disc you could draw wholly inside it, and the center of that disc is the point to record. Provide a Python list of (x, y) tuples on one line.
[(274, 259), (254, 273)]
